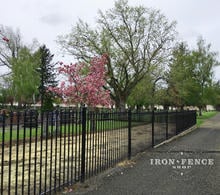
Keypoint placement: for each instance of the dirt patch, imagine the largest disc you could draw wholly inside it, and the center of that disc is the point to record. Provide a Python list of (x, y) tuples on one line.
[(57, 161)]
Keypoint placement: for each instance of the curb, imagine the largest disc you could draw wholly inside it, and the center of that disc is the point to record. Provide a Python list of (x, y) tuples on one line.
[(177, 136)]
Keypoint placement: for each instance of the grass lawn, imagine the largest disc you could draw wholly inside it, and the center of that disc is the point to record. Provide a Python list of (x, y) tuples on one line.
[(205, 115), (66, 129), (76, 128)]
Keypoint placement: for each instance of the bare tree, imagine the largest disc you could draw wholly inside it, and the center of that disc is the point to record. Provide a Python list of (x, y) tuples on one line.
[(9, 49)]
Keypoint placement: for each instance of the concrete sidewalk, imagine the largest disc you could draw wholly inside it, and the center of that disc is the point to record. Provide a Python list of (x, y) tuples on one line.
[(189, 165)]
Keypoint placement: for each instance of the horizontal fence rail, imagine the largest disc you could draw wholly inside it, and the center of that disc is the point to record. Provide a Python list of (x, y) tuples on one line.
[(40, 153)]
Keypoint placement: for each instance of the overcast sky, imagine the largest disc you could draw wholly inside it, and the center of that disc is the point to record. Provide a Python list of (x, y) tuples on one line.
[(46, 19)]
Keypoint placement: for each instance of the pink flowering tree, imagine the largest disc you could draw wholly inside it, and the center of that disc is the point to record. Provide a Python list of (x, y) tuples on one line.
[(84, 83)]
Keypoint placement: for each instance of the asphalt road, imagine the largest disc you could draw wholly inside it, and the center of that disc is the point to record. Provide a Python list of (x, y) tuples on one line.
[(189, 165)]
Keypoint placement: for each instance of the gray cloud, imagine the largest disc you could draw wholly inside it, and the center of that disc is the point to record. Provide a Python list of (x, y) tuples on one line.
[(53, 19)]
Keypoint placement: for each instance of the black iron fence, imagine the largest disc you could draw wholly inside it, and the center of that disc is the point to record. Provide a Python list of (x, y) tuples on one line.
[(167, 124), (41, 154)]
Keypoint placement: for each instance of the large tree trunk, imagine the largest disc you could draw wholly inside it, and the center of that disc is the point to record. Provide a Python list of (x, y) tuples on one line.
[(120, 104)]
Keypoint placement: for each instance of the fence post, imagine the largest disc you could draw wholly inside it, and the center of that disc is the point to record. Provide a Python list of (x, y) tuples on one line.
[(3, 151), (83, 152), (167, 113), (129, 134), (177, 126), (152, 121), (195, 117)]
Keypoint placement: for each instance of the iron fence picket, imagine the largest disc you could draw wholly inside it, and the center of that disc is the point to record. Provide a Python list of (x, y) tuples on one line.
[(17, 153), (23, 158), (10, 152), (83, 153), (153, 130), (129, 134)]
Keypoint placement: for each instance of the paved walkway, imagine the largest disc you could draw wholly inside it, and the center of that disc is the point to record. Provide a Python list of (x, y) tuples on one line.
[(189, 165)]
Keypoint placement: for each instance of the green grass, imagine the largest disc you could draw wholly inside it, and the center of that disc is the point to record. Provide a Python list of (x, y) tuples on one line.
[(205, 116), (65, 129), (76, 128)]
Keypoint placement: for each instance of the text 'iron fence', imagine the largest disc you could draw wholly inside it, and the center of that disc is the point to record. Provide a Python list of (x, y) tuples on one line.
[(42, 153)]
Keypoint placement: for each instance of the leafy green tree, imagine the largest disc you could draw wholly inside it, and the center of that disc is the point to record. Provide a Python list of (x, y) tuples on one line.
[(190, 77), (6, 94), (148, 92), (179, 76), (23, 77), (214, 94), (204, 60), (141, 95), (137, 40), (47, 76), (162, 97)]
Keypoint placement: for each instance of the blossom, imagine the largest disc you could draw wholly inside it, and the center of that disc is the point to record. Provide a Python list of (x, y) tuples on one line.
[(85, 84)]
